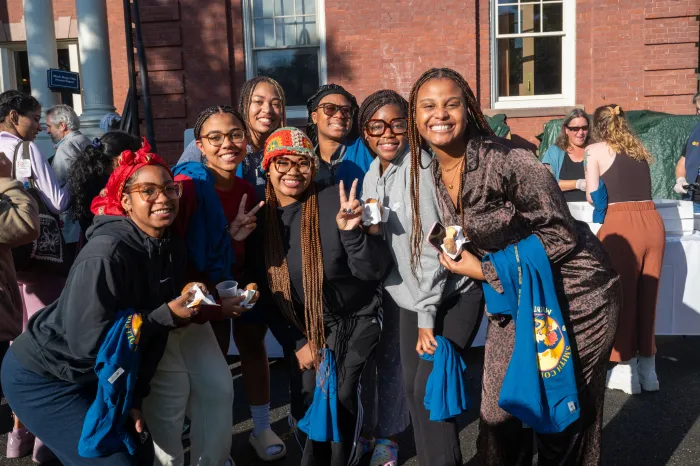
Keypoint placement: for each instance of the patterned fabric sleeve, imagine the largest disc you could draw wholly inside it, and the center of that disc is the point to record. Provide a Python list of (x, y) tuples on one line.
[(537, 197)]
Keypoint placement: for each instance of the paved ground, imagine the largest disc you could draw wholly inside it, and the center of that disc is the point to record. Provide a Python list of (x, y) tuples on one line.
[(651, 429)]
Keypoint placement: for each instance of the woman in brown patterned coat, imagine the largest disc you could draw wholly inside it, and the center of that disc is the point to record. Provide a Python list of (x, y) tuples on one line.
[(501, 195)]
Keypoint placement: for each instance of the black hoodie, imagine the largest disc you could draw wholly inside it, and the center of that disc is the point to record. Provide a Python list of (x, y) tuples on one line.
[(119, 268)]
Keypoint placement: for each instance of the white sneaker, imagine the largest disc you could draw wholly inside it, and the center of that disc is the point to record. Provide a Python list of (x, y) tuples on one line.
[(647, 373), (624, 376)]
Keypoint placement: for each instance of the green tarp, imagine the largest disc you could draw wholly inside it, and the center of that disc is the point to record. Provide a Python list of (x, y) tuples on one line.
[(663, 135), (498, 125)]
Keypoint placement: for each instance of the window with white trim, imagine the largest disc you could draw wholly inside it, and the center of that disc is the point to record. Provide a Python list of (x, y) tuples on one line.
[(533, 53), (285, 40)]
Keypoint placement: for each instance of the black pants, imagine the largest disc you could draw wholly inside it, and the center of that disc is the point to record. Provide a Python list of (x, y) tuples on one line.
[(352, 342), (4, 346), (457, 319)]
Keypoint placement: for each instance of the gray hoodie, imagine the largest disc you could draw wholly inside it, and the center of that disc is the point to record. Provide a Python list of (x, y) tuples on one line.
[(434, 283)]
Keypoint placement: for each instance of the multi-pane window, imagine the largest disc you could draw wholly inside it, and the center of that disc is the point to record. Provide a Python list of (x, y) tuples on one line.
[(284, 44), (534, 52)]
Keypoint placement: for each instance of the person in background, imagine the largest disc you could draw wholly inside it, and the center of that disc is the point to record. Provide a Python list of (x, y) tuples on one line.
[(688, 165), (334, 131), (63, 126), (263, 105), (564, 158), (314, 261), (633, 233), (19, 121), (130, 262), (90, 170), (502, 195), (19, 224)]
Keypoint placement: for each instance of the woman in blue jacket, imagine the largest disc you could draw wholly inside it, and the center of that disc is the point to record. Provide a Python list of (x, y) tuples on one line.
[(565, 157)]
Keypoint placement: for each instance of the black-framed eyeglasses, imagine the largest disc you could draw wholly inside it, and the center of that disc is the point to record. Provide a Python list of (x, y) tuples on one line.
[(576, 129), (331, 109), (378, 127), (236, 136), (149, 192), (284, 165)]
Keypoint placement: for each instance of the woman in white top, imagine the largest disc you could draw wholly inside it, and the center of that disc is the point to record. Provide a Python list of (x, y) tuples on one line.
[(19, 122)]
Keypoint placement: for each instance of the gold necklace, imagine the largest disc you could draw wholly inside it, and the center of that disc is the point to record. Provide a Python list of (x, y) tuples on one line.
[(448, 170), (451, 185)]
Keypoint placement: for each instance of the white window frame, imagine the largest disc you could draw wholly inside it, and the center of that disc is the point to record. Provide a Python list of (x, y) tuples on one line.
[(568, 76), (8, 65), (297, 111)]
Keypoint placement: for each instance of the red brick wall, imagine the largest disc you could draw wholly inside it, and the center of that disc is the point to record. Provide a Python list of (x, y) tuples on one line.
[(641, 55)]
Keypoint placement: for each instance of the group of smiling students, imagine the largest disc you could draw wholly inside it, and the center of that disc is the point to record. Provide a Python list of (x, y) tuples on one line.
[(291, 221)]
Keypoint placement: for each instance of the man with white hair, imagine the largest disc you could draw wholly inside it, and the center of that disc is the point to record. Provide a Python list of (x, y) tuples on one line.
[(63, 125)]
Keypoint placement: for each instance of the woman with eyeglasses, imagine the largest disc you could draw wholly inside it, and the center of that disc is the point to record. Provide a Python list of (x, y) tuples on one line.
[(217, 212), (414, 302), (131, 261), (565, 157), (321, 273), (334, 131)]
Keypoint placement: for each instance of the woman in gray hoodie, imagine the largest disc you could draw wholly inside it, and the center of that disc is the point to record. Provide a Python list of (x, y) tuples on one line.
[(421, 300)]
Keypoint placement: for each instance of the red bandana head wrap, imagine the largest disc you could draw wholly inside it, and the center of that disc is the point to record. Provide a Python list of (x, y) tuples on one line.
[(109, 201)]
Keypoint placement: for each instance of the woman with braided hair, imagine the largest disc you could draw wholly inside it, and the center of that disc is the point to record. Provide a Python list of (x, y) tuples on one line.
[(321, 273), (414, 303), (633, 233), (217, 213), (261, 110), (333, 129), (501, 195)]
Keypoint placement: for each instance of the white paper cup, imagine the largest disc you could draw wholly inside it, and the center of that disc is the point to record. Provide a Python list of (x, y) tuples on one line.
[(227, 289)]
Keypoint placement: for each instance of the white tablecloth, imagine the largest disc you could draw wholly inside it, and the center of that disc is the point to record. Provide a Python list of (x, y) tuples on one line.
[(678, 306)]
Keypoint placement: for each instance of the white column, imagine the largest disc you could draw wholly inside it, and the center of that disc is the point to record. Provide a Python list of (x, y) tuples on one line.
[(41, 50), (8, 77), (95, 65), (74, 59)]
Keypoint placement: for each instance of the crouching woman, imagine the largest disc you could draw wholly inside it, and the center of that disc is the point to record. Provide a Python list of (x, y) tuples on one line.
[(129, 262)]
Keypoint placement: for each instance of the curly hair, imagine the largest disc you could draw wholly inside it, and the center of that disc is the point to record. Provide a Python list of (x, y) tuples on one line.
[(312, 106), (246, 97), (91, 168), (562, 141), (374, 102), (610, 126), (477, 125)]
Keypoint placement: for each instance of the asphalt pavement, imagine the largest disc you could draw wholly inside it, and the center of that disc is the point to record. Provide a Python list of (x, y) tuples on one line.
[(651, 429)]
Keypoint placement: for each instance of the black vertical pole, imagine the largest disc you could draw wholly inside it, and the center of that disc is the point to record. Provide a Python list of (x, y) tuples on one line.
[(143, 71), (133, 102)]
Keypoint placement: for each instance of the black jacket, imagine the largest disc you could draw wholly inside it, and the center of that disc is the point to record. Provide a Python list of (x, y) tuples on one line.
[(354, 265), (119, 268)]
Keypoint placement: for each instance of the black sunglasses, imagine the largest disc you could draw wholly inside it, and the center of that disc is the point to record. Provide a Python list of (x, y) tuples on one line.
[(331, 109)]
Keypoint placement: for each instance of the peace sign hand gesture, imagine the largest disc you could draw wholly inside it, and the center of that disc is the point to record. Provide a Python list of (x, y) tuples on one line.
[(244, 223), (350, 213)]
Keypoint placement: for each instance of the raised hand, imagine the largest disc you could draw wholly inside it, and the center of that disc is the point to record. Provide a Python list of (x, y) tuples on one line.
[(244, 223), (350, 213)]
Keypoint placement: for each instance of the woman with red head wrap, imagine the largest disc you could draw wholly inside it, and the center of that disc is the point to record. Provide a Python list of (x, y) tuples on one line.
[(130, 262)]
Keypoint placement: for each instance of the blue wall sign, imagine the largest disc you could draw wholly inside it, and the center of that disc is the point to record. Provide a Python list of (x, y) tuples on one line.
[(63, 81)]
